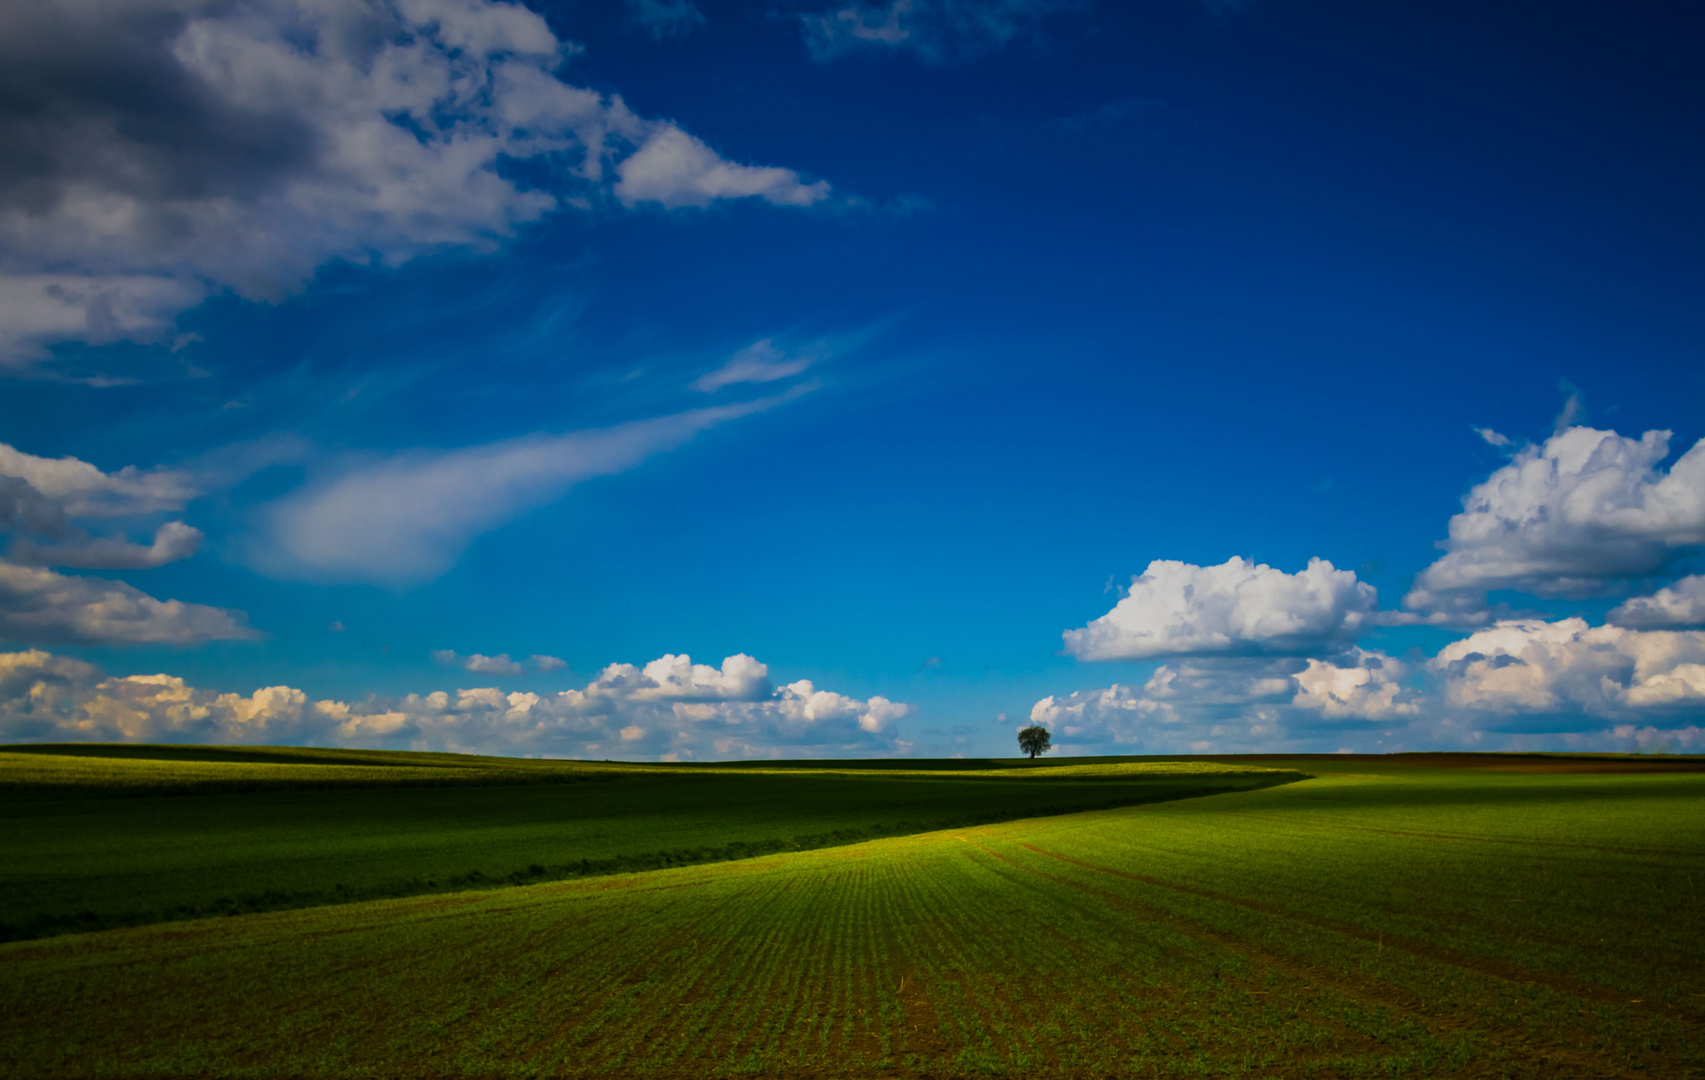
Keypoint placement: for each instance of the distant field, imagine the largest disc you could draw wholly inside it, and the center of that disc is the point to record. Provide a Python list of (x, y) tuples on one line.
[(103, 836), (1390, 917)]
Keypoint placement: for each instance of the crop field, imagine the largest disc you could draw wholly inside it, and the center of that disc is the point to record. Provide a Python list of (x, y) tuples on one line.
[(104, 836), (1446, 917)]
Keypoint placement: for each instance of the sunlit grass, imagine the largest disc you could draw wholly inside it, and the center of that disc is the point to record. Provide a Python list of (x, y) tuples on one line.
[(99, 837), (1382, 919)]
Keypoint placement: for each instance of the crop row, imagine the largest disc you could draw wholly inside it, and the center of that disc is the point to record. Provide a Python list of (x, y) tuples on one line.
[(1337, 927)]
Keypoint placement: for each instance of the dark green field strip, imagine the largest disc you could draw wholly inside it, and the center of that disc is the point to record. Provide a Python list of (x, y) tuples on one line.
[(81, 864), (1244, 934)]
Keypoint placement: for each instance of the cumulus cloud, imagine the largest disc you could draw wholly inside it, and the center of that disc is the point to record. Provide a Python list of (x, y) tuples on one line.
[(664, 18), (172, 541), (481, 664), (82, 490), (1357, 685), (1271, 660), (759, 362), (39, 497), (41, 500), (1519, 684), (159, 151), (1568, 667), (547, 664), (670, 707), (40, 606), (1583, 514), (407, 517), (1243, 704), (1239, 607), (24, 509), (933, 30), (1680, 604), (1191, 706)]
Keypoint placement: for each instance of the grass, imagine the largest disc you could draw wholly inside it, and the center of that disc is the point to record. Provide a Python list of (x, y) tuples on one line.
[(105, 836), (1389, 917)]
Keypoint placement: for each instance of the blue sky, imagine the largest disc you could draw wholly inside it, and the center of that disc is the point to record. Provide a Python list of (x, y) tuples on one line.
[(876, 346)]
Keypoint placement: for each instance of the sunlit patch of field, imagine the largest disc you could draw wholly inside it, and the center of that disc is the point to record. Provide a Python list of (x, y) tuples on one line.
[(98, 837), (1382, 919), (150, 769)]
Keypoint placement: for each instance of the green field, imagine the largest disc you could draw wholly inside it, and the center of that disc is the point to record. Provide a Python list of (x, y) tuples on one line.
[(104, 836), (1391, 916)]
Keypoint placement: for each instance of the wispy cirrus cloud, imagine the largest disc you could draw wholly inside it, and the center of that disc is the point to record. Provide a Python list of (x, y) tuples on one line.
[(664, 18), (760, 362), (405, 518), (932, 30)]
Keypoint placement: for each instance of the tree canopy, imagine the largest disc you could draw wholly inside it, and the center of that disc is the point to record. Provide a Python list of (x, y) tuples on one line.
[(1034, 740)]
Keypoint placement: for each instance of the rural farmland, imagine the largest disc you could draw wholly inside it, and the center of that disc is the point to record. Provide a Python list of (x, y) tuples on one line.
[(852, 540), (1418, 915)]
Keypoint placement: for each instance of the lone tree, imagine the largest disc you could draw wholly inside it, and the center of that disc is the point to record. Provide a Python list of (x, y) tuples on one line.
[(1034, 740)]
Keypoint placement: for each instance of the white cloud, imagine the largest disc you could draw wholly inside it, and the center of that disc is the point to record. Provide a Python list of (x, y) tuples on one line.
[(1581, 515), (665, 18), (478, 663), (1243, 704), (41, 607), (407, 517), (82, 490), (547, 664), (1680, 604), (40, 500), (1521, 684), (160, 151), (1586, 513), (1238, 607), (1186, 707), (96, 308), (1492, 437), (669, 707), (933, 30), (1568, 667), (1369, 687), (759, 362), (675, 169), (172, 541)]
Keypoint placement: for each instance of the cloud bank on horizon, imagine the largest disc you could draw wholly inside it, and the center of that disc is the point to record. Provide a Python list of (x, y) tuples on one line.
[(1254, 657), (1257, 658), (671, 708)]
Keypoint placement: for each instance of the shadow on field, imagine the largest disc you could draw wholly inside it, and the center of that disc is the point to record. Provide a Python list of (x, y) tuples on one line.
[(430, 841)]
